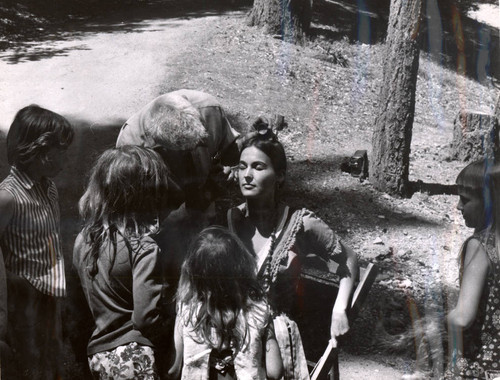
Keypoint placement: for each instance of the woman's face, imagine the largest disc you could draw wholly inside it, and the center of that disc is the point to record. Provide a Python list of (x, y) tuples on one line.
[(256, 174)]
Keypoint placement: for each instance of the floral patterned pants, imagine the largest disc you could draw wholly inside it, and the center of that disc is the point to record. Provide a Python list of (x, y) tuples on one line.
[(131, 361)]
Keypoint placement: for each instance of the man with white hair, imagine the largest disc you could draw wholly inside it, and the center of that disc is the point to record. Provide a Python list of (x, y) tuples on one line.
[(191, 132)]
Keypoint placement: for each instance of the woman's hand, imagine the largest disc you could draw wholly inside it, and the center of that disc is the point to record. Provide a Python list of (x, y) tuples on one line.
[(340, 323)]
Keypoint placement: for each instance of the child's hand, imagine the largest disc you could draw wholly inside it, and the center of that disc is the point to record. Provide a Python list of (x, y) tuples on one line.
[(340, 323)]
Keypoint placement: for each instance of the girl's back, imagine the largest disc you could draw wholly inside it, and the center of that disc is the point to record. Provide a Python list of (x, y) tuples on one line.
[(201, 358), (223, 327), (123, 308)]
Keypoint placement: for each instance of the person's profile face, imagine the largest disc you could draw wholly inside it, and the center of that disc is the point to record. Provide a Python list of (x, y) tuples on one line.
[(471, 204)]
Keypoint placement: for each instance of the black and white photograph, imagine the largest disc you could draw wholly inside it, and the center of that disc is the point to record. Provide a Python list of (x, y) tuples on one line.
[(249, 189)]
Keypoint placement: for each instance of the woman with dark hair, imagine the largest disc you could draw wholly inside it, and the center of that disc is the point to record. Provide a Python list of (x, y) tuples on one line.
[(281, 237)]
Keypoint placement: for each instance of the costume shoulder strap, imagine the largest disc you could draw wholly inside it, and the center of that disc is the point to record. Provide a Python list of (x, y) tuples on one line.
[(286, 240)]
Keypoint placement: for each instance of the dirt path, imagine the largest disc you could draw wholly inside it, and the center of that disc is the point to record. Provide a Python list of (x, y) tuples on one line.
[(109, 71)]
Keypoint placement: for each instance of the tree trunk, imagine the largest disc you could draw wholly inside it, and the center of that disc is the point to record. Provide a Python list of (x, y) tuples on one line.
[(289, 19), (496, 112), (475, 136), (393, 126)]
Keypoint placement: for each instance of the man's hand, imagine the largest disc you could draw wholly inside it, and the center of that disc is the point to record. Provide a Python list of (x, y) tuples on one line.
[(231, 173)]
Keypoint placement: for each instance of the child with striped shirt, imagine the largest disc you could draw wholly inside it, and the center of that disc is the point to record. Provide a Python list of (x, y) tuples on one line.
[(30, 243)]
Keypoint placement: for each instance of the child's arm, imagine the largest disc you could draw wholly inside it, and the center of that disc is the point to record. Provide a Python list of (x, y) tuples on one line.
[(476, 264), (475, 270), (340, 323), (274, 364), (147, 288), (6, 212), (175, 371)]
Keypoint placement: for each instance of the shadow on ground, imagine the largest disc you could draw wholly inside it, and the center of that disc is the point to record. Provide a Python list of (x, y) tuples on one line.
[(37, 43), (309, 184), (450, 37)]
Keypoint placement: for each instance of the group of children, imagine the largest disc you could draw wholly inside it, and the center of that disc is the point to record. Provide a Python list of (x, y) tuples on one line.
[(223, 327), (220, 302)]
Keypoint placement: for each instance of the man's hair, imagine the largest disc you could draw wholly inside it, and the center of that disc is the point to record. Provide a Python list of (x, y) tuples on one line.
[(33, 132), (174, 123)]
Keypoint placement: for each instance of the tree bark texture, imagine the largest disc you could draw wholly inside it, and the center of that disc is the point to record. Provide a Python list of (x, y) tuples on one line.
[(497, 108), (475, 137), (289, 19), (391, 141)]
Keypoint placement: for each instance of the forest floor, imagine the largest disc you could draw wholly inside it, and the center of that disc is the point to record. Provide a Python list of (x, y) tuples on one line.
[(328, 90)]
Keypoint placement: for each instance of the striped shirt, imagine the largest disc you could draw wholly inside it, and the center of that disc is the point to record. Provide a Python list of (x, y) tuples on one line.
[(30, 242)]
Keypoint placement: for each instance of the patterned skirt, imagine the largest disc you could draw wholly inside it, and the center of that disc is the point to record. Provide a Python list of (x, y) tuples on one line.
[(131, 361)]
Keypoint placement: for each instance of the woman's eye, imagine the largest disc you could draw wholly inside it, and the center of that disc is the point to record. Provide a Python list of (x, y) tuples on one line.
[(260, 167), (242, 167)]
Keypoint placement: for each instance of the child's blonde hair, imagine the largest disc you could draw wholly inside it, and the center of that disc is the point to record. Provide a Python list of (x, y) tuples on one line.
[(127, 190)]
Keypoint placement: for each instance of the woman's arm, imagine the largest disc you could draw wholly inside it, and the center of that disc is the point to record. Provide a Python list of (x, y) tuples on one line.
[(475, 271), (274, 364), (323, 242), (175, 371), (340, 323)]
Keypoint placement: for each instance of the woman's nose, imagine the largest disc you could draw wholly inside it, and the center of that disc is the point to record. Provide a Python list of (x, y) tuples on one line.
[(248, 175)]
